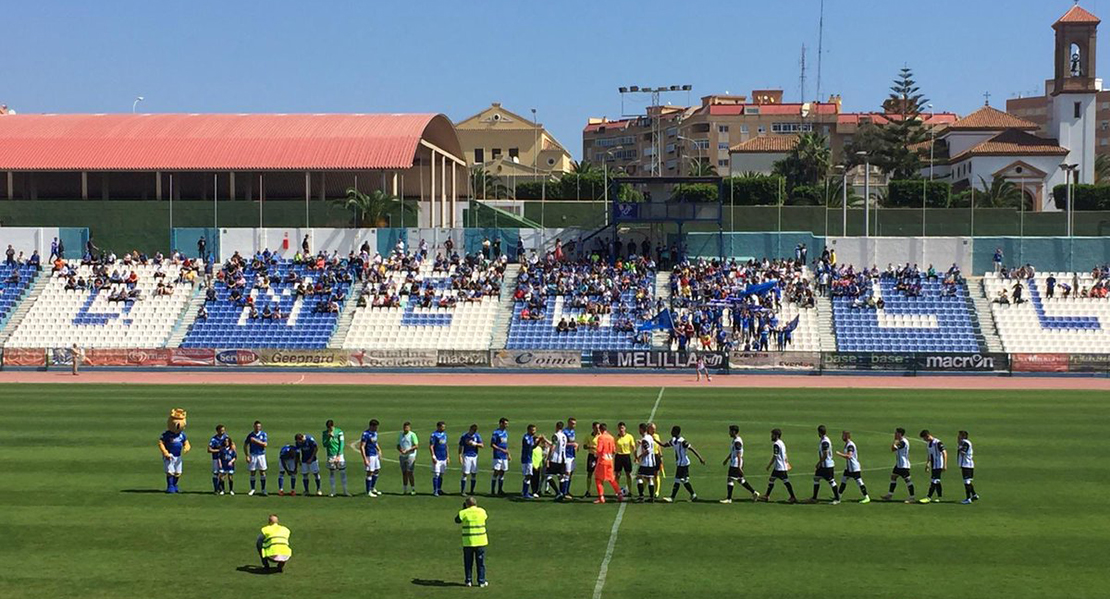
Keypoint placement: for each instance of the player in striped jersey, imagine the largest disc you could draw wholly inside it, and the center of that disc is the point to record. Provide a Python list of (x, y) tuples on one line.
[(682, 463), (735, 461), (557, 462), (901, 449), (825, 467), (938, 463), (649, 465), (779, 467), (851, 467), (965, 454)]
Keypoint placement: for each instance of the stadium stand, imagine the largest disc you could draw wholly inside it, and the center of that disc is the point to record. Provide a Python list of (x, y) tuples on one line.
[(271, 302), (583, 305), (15, 280), (1051, 312), (409, 302), (902, 310), (717, 309), (127, 303)]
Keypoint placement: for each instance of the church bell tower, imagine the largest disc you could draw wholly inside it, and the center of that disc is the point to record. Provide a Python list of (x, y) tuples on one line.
[(1075, 89)]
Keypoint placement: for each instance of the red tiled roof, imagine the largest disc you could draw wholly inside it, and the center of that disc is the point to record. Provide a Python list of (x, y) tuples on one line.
[(771, 144), (1014, 142), (593, 127), (150, 142), (772, 109), (1076, 14), (882, 118), (989, 118)]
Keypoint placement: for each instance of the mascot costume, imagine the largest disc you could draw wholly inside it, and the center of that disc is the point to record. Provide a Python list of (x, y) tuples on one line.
[(174, 445)]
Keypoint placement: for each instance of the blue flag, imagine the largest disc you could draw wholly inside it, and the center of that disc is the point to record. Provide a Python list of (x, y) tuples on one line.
[(662, 321), (793, 324)]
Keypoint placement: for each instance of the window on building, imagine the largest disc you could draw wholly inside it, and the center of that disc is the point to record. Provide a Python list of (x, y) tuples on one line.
[(722, 128), (671, 164), (722, 145), (496, 153), (479, 155), (725, 162), (1077, 109), (762, 129), (514, 152), (672, 131), (1104, 125), (670, 148), (1103, 141), (791, 127), (744, 129), (751, 110)]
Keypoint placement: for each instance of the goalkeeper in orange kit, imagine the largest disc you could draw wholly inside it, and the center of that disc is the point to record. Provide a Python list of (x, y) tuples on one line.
[(606, 448)]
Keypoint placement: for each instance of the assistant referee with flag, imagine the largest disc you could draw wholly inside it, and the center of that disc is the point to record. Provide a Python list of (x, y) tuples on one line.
[(474, 539)]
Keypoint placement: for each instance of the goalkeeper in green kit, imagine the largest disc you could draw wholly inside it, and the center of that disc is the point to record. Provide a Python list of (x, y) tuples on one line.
[(333, 446)]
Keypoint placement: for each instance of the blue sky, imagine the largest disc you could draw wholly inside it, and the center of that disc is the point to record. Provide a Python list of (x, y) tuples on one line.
[(565, 59)]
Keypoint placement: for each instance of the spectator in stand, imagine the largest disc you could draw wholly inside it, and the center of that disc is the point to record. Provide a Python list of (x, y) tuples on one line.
[(1018, 288), (998, 260), (11, 255), (1050, 287), (35, 261)]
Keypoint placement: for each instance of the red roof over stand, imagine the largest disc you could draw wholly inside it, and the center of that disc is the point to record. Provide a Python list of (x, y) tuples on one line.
[(183, 142)]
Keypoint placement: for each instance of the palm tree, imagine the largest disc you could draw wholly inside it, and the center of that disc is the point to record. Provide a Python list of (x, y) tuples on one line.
[(699, 168), (834, 193), (1000, 193), (374, 209), (808, 163), (484, 184), (1102, 169), (584, 168)]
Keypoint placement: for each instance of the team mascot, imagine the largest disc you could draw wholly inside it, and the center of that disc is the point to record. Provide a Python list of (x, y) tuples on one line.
[(174, 444)]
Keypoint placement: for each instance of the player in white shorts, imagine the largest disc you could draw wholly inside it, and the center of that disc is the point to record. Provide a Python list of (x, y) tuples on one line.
[(255, 444), (371, 457), (469, 444), (499, 442), (215, 446), (437, 445)]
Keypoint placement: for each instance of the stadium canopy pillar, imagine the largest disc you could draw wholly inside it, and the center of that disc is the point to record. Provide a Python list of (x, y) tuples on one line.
[(432, 191), (11, 185), (443, 190), (231, 186), (84, 185), (158, 185), (307, 186)]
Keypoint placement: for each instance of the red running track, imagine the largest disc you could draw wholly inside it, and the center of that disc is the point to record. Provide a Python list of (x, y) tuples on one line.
[(458, 379)]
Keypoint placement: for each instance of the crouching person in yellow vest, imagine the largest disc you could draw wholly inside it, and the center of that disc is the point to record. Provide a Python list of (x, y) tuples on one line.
[(474, 539), (273, 544)]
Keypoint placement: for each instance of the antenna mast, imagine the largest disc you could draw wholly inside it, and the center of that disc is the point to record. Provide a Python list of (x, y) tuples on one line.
[(820, 46), (802, 78)]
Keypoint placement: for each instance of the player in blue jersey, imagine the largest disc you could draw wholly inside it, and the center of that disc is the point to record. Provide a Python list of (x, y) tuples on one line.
[(310, 463), (572, 451), (527, 444), (437, 443), (227, 458), (469, 444), (215, 445), (371, 457), (256, 443), (499, 441), (290, 460)]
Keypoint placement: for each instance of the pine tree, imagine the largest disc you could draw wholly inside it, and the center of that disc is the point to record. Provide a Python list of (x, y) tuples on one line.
[(905, 128)]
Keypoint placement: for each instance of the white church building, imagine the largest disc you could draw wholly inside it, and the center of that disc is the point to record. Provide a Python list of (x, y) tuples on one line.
[(990, 143)]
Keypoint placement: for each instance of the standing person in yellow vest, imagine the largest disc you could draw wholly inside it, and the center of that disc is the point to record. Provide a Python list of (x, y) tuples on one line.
[(474, 539), (273, 544)]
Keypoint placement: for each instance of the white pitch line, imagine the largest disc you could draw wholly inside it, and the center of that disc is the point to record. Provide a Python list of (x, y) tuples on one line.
[(604, 570)]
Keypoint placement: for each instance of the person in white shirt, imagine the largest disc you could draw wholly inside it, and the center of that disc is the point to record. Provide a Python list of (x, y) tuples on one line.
[(938, 463), (557, 462), (824, 471), (852, 468), (649, 465), (901, 449), (779, 467), (965, 455), (735, 462), (682, 449)]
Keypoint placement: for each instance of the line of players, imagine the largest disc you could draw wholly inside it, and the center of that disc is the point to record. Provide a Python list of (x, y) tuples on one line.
[(549, 463)]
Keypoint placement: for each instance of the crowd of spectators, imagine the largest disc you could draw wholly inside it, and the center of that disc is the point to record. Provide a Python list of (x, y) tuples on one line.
[(593, 289), (844, 280), (454, 279), (119, 277), (716, 310), (323, 287)]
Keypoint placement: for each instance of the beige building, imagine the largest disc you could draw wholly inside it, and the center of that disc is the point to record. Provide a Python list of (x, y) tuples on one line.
[(510, 144)]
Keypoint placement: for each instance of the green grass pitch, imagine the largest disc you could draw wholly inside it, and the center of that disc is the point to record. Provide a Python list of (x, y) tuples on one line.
[(82, 515)]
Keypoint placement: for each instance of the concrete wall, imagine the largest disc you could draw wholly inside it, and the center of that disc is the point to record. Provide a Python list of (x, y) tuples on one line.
[(30, 239)]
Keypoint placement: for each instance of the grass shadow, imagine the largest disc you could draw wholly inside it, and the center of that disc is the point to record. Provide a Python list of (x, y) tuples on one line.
[(257, 570), (163, 492), (423, 582)]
